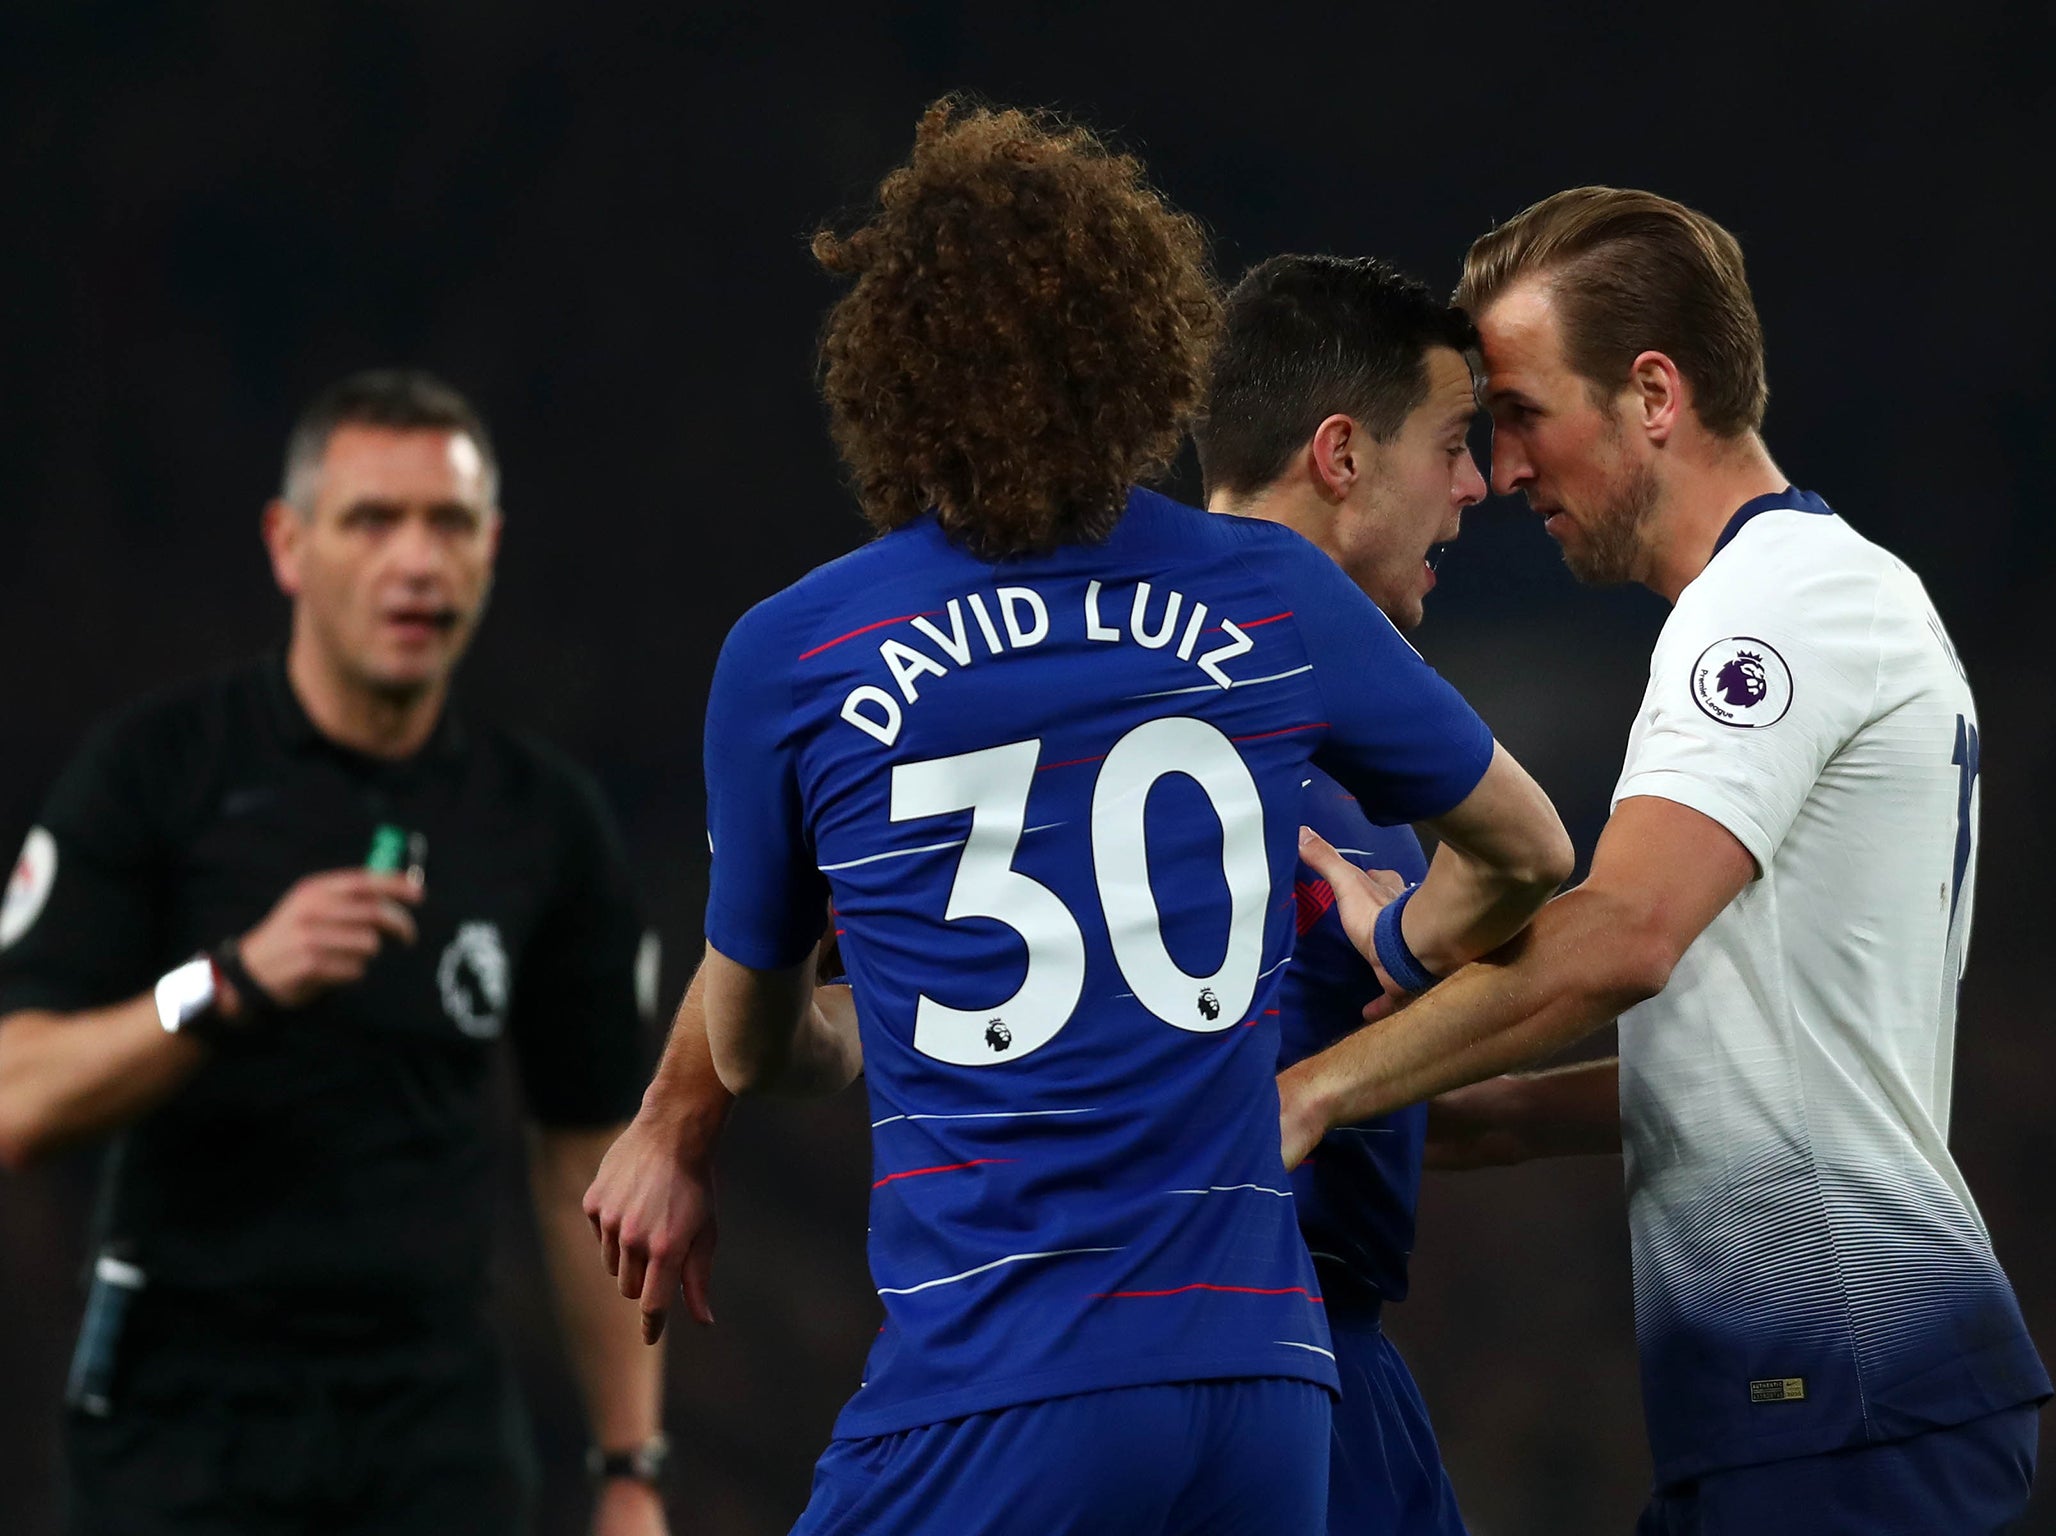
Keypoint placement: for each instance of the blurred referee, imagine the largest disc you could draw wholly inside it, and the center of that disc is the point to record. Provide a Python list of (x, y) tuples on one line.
[(270, 932)]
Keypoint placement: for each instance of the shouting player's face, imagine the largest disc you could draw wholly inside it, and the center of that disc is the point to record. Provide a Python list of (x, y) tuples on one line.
[(390, 567), (1414, 494), (1559, 445)]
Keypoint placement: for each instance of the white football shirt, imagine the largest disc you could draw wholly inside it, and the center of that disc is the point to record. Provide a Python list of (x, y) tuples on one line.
[(1810, 1269)]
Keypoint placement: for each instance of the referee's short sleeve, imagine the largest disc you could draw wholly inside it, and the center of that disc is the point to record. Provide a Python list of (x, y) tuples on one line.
[(80, 923), (576, 1030)]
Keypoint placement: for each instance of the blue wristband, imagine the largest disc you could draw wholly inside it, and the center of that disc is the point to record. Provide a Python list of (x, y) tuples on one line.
[(1400, 962)]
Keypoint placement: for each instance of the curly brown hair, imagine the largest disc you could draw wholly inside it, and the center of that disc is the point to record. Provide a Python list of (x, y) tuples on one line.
[(1027, 335)]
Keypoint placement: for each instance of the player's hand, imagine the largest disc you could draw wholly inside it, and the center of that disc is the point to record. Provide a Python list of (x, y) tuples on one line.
[(652, 1207), (625, 1507), (324, 932), (1476, 1127), (1360, 895)]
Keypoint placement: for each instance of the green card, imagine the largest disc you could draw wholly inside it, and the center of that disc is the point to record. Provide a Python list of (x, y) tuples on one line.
[(388, 850)]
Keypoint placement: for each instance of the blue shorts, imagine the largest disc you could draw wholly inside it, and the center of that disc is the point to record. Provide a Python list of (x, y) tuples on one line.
[(1385, 1474), (1203, 1458), (1968, 1480)]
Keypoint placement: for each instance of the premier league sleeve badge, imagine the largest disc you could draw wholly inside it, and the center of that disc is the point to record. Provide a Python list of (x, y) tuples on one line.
[(1743, 682)]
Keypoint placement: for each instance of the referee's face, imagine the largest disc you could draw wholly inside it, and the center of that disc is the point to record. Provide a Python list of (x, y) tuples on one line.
[(389, 570)]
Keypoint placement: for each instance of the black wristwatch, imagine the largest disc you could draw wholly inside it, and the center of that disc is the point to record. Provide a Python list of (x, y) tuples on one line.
[(644, 1463), (187, 997)]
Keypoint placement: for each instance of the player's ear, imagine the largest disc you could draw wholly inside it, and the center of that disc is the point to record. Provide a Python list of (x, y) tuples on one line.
[(1658, 390), (1336, 456), (284, 528)]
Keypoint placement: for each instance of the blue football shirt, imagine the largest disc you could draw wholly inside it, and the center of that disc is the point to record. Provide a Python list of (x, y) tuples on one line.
[(1055, 800), (1358, 1189)]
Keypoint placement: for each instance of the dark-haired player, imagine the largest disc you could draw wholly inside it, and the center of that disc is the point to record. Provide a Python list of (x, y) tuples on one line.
[(1339, 404), (1043, 743), (1780, 903), (292, 1051)]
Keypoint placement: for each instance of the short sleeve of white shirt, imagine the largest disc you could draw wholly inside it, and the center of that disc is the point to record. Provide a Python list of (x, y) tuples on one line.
[(1767, 665)]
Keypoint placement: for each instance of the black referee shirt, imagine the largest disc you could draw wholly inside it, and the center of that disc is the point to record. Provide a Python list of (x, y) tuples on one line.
[(332, 1175)]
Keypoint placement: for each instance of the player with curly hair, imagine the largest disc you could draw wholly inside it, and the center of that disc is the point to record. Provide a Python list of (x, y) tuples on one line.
[(1042, 743)]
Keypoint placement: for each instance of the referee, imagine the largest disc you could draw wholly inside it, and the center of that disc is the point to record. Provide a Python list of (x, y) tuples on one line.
[(270, 933)]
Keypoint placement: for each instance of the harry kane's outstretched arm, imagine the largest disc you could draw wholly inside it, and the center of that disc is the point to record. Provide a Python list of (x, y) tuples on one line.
[(1660, 874)]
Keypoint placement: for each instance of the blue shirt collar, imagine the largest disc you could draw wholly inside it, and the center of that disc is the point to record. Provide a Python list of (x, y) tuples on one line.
[(1790, 499)]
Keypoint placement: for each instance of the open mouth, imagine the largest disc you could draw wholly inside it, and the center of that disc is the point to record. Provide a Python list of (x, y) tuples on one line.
[(420, 623), (1434, 558)]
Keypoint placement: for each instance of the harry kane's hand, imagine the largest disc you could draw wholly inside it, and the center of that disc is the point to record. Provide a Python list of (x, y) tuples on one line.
[(652, 1206), (324, 932)]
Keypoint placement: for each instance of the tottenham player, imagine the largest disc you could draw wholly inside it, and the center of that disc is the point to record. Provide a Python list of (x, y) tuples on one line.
[(1339, 404), (1043, 742), (1780, 902)]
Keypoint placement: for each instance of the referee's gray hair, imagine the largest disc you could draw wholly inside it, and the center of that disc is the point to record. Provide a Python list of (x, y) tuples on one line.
[(409, 399)]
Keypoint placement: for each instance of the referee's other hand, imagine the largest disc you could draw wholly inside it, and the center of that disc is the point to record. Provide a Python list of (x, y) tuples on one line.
[(324, 932)]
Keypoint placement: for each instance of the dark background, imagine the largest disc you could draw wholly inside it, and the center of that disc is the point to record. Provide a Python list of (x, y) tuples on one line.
[(596, 225)]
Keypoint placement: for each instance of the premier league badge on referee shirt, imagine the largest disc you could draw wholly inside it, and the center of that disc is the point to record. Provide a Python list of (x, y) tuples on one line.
[(472, 977), (1742, 682), (29, 886)]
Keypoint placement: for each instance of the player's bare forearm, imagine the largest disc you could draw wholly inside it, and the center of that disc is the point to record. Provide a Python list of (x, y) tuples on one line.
[(769, 1032), (1576, 967), (1661, 873), (1571, 1111), (620, 1381), (1465, 908), (1503, 852), (821, 1057), (827, 1053), (651, 1205), (68, 1076), (686, 1096)]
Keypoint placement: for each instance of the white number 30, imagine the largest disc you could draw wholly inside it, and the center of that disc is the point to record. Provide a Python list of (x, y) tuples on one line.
[(993, 786)]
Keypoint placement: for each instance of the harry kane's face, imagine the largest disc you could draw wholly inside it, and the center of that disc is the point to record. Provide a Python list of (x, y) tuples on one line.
[(390, 569), (1565, 451), (1414, 497)]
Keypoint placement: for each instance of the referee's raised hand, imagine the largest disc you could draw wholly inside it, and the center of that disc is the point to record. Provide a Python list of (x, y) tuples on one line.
[(324, 932)]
